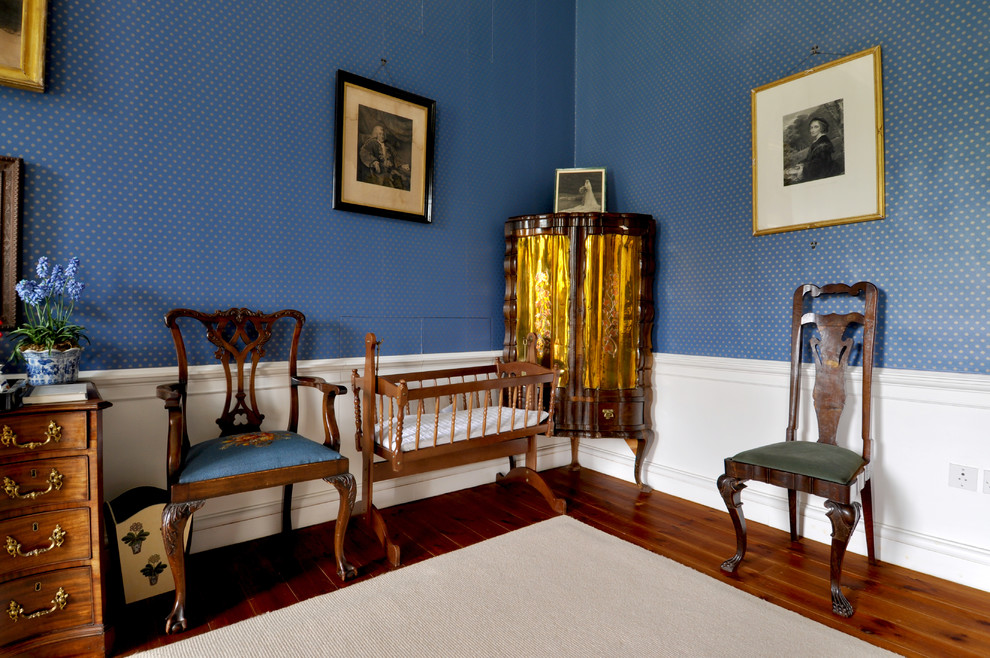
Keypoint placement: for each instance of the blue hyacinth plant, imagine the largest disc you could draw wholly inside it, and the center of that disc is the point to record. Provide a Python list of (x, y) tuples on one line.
[(48, 305)]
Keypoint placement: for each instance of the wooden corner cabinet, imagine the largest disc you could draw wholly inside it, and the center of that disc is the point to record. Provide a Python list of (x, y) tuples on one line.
[(583, 283), (51, 569)]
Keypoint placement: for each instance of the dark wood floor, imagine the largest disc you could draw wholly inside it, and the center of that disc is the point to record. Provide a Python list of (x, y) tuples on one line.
[(898, 609)]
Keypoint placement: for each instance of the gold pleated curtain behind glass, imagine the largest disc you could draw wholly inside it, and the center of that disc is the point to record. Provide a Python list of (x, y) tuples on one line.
[(611, 311), (543, 280)]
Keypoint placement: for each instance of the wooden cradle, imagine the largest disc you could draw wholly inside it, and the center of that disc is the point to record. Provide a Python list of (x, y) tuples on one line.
[(424, 421)]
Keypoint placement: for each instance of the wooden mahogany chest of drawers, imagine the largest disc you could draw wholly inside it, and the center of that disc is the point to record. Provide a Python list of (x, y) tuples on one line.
[(51, 526)]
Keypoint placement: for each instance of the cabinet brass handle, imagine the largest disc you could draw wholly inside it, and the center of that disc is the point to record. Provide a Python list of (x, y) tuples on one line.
[(9, 439), (608, 413), (56, 538), (16, 610), (12, 489)]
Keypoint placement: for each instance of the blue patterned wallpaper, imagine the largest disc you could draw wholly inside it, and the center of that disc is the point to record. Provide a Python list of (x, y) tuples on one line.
[(183, 150), (663, 101)]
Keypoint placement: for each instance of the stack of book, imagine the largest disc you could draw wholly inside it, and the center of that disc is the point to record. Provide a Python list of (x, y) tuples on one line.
[(56, 393)]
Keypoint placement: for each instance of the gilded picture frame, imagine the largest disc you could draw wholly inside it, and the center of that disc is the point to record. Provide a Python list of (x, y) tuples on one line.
[(22, 43), (818, 146), (384, 150), (579, 190), (11, 173)]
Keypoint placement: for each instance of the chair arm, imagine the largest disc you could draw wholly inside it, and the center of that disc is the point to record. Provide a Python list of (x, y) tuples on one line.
[(174, 395), (320, 384), (171, 393), (330, 392)]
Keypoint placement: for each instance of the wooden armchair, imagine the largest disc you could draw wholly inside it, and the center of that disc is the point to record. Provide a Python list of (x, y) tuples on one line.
[(822, 468), (244, 457)]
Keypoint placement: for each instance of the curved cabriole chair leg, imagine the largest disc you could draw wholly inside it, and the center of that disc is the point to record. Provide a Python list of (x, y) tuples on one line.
[(346, 488), (844, 519), (174, 519), (731, 488)]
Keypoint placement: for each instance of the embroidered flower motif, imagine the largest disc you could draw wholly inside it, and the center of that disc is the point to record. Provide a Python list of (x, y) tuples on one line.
[(153, 568), (256, 439), (135, 537)]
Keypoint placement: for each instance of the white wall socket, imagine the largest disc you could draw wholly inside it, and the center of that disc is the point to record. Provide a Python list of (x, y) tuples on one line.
[(986, 481), (963, 477)]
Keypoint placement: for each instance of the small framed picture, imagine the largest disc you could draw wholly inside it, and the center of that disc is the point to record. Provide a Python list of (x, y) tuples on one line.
[(580, 190), (384, 151), (818, 147)]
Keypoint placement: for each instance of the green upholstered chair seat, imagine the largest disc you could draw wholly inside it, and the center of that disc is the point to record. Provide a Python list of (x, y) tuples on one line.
[(818, 460)]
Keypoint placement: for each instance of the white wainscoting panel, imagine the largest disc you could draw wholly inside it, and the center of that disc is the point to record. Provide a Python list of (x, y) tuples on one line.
[(705, 409)]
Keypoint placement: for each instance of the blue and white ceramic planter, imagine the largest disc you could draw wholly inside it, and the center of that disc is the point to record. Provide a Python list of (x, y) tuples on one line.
[(55, 367)]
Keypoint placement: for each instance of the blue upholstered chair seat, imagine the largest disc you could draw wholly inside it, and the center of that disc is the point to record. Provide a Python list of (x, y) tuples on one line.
[(818, 460), (238, 454)]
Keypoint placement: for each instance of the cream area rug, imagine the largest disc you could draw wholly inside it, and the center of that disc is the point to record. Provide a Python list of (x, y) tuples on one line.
[(556, 588)]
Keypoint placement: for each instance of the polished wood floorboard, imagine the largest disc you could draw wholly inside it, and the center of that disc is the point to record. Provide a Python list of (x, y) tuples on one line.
[(901, 610)]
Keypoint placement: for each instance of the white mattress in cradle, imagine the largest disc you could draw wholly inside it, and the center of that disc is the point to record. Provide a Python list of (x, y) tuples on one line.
[(484, 421)]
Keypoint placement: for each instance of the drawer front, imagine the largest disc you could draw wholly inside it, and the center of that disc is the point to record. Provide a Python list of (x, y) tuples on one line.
[(619, 415), (43, 539), (36, 433), (45, 603), (43, 481)]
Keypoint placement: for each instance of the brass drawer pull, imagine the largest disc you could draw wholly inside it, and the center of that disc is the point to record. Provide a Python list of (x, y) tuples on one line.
[(16, 610), (9, 439), (12, 489), (608, 413), (56, 538)]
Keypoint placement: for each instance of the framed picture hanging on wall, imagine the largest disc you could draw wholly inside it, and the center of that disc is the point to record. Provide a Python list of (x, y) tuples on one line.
[(818, 146), (580, 190), (11, 170), (384, 150), (22, 43)]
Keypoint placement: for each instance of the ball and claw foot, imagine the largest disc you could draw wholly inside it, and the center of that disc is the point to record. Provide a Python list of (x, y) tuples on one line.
[(175, 622), (346, 571), (729, 566), (840, 605)]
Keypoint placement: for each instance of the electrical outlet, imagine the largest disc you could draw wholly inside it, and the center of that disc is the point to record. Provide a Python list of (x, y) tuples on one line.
[(986, 481), (963, 477)]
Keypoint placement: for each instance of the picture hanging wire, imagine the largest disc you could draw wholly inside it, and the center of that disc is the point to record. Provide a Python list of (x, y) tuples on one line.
[(801, 67), (384, 67)]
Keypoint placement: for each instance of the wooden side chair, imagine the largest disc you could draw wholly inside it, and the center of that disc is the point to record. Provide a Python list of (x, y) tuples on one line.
[(822, 468), (244, 457)]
